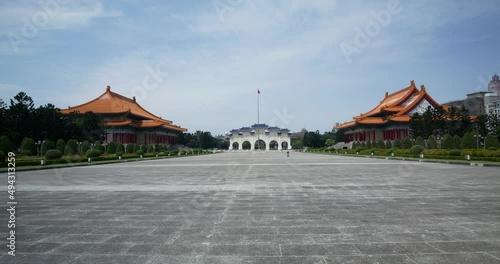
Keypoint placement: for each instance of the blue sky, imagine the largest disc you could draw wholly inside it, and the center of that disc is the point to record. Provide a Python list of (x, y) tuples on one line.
[(200, 63)]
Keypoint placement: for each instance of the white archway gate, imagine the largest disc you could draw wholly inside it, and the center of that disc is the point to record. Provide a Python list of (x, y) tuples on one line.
[(268, 135)]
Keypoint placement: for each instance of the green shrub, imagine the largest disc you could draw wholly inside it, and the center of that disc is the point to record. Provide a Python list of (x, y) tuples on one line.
[(25, 152), (354, 145), (380, 144), (397, 144), (401, 152), (71, 147), (151, 149), (28, 144), (85, 146), (492, 148), (388, 144), (491, 141), (431, 143), (447, 142), (144, 148), (140, 152), (359, 149), (455, 152), (416, 149), (120, 148), (468, 141), (99, 147), (6, 145), (369, 144), (53, 154), (406, 143), (119, 153), (93, 153), (435, 152), (458, 141), (2, 156), (111, 148), (130, 148), (46, 145), (390, 151), (363, 145), (137, 147), (420, 141), (60, 145)]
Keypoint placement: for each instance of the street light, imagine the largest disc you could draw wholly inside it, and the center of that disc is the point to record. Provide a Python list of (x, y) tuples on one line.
[(79, 147), (477, 136), (38, 147)]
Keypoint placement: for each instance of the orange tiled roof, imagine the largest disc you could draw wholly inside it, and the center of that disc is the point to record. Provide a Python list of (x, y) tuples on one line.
[(395, 105), (112, 103)]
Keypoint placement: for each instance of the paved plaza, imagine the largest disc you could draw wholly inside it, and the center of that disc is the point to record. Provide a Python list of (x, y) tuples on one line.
[(257, 207)]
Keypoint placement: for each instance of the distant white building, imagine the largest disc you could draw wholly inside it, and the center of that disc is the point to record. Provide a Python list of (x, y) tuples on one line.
[(270, 138)]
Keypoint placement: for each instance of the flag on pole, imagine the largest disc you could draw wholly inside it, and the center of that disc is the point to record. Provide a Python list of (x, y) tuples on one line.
[(258, 91)]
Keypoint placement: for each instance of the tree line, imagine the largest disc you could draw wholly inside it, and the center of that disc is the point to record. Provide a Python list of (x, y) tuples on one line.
[(202, 140), (20, 119), (456, 121)]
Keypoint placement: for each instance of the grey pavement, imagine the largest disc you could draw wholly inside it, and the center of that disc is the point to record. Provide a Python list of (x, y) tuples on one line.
[(256, 207)]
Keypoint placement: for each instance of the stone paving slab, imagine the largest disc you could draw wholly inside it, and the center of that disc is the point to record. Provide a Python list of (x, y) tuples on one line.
[(257, 207)]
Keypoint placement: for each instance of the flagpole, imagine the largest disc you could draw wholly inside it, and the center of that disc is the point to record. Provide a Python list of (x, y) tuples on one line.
[(258, 121)]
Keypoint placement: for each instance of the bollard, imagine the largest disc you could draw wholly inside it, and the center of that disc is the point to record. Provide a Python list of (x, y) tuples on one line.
[(42, 162)]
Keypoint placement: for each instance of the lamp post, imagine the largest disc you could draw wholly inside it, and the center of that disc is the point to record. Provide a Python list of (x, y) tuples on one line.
[(477, 136), (38, 147), (439, 139), (79, 147)]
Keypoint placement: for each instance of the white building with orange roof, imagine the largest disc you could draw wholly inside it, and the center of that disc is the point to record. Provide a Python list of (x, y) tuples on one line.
[(127, 122), (389, 120)]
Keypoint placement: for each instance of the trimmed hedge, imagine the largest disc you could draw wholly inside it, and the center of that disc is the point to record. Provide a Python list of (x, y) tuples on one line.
[(93, 153), (53, 154)]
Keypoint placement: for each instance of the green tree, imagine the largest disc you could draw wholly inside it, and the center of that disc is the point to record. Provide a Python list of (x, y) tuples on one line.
[(297, 144), (136, 147), (60, 145), (458, 141), (406, 143), (19, 116), (28, 146), (380, 144), (494, 125), (130, 148), (151, 149), (99, 147), (46, 144), (388, 144), (398, 144), (431, 142), (468, 141), (120, 148), (355, 145), (85, 146), (491, 141), (369, 144), (71, 147), (329, 142), (447, 142), (111, 148), (6, 145), (420, 141), (480, 125)]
